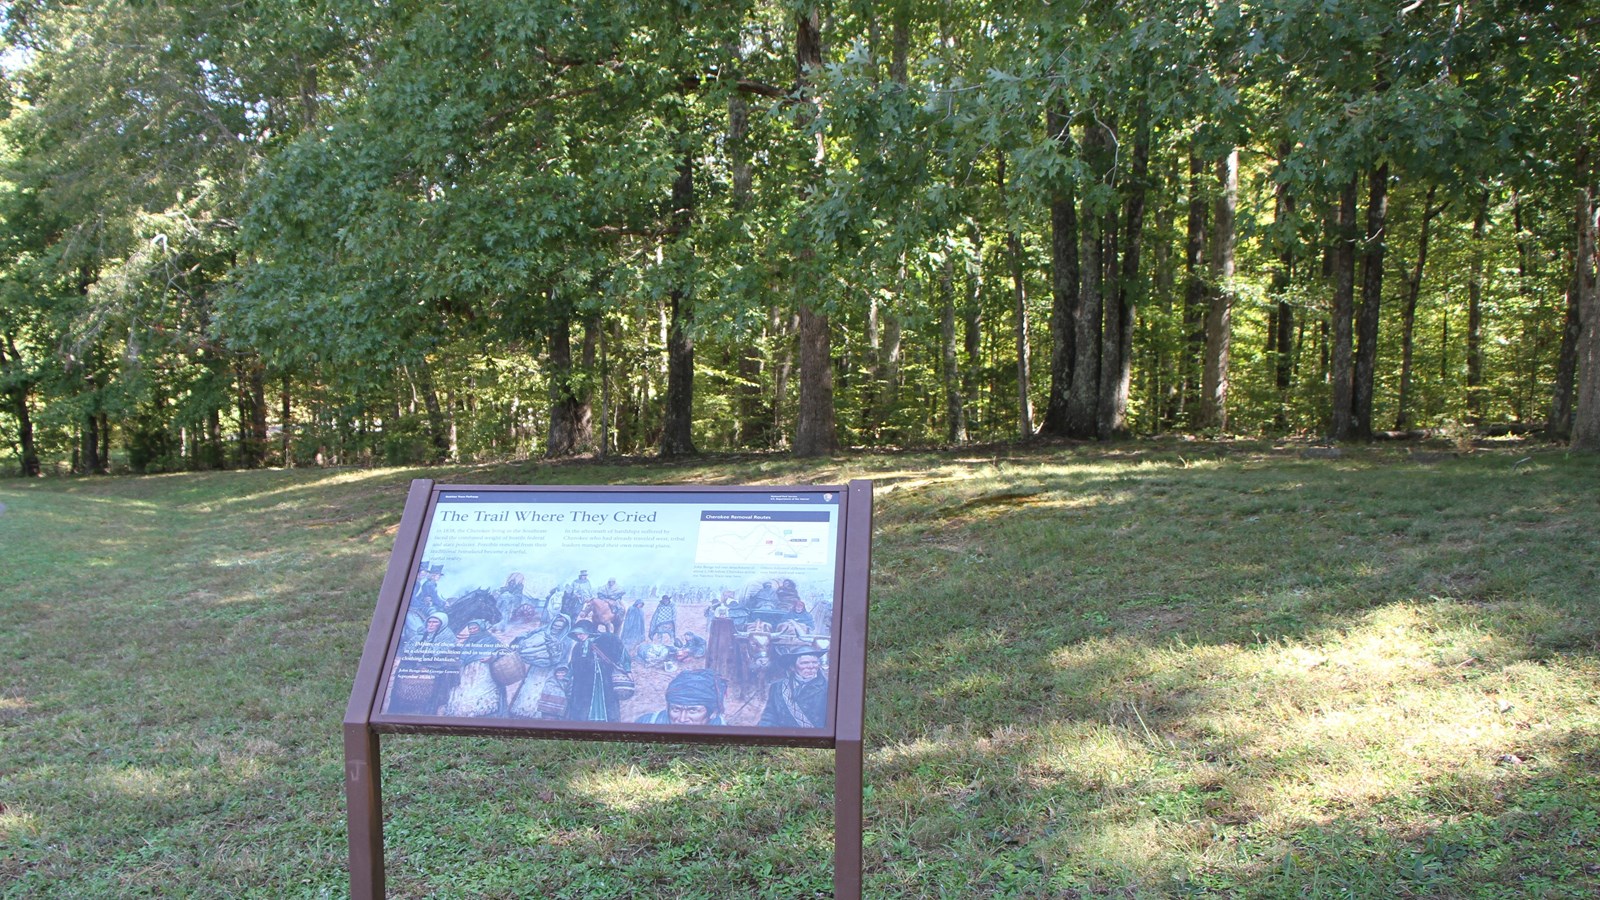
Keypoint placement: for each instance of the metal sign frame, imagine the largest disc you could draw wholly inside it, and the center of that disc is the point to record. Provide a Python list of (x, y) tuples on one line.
[(364, 721)]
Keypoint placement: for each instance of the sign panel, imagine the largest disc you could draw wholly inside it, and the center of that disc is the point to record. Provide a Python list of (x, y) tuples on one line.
[(692, 610)]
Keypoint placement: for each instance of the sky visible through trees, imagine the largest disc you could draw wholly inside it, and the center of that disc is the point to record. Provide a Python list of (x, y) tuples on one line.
[(241, 234)]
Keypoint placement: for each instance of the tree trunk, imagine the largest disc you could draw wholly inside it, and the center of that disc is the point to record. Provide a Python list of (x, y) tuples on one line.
[(1586, 421), (1366, 352), (1116, 369), (1408, 313), (1219, 313), (1559, 428), (1344, 286), (286, 420), (1063, 284), (677, 434), (89, 454), (1194, 291), (256, 404), (17, 393), (814, 432), (438, 428), (1283, 321), (1019, 297), (814, 422), (955, 415), (1083, 397), (972, 344), (1013, 244), (1480, 226), (571, 418)]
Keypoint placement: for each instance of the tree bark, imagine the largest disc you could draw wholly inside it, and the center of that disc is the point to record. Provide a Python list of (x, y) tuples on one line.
[(1019, 308), (1116, 369), (571, 417), (1219, 313), (1283, 322), (1063, 283), (1083, 397), (1366, 351), (286, 421), (814, 433), (17, 393), (1344, 286), (955, 414), (1194, 291), (1559, 427), (256, 403), (1408, 313), (1586, 420), (438, 428), (1475, 314), (677, 433), (89, 454)]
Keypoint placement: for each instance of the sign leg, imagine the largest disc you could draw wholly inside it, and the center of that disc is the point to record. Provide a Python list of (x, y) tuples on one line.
[(364, 805), (847, 797)]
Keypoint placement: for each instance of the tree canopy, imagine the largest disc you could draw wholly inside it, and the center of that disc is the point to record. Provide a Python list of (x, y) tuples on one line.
[(325, 231)]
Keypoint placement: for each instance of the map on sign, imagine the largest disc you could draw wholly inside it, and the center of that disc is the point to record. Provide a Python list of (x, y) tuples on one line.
[(745, 538)]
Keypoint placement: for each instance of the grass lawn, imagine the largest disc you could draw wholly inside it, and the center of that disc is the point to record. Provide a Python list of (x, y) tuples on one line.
[(1129, 671)]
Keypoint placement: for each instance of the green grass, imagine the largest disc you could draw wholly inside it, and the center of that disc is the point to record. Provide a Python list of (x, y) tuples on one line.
[(1147, 671)]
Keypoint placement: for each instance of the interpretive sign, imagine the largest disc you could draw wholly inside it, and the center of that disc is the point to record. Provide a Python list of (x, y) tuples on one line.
[(688, 614)]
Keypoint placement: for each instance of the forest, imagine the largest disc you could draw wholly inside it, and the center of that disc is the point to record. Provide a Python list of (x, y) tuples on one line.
[(336, 232)]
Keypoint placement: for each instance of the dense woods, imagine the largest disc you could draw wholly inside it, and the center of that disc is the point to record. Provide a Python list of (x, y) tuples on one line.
[(323, 231)]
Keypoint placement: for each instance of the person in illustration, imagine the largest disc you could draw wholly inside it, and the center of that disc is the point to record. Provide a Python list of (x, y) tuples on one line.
[(633, 625), (543, 649), (596, 657), (509, 598), (694, 697), (665, 619), (612, 591), (800, 698), (412, 628), (552, 703), (577, 594), (766, 606), (606, 615), (433, 630), (425, 597), (476, 694), (693, 646), (427, 670), (722, 652)]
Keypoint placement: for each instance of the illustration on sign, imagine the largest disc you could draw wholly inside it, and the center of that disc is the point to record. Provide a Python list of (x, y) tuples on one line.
[(685, 608)]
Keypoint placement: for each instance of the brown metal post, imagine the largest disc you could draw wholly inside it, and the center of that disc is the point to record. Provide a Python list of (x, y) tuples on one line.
[(364, 815), (847, 791), (847, 758), (362, 774)]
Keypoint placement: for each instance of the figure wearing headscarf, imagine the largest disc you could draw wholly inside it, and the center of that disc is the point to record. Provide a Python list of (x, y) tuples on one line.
[(427, 669), (543, 649), (665, 619), (633, 625), (477, 694), (694, 697), (595, 656), (509, 597), (800, 698)]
